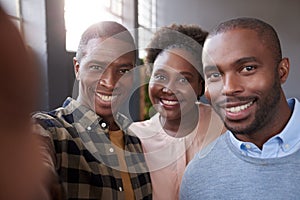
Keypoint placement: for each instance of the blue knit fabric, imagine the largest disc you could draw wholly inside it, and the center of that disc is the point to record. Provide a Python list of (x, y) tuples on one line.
[(221, 171)]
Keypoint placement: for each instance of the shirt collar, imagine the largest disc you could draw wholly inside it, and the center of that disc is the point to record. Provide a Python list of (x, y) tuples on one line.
[(88, 119), (291, 133)]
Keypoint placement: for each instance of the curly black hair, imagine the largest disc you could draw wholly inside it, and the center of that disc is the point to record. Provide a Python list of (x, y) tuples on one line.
[(189, 37)]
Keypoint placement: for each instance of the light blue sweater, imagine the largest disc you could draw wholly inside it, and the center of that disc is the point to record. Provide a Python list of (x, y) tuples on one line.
[(224, 173)]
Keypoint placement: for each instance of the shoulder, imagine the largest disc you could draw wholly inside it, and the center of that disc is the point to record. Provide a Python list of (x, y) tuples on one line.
[(136, 126), (47, 119), (53, 123), (153, 121), (145, 128), (57, 117), (204, 161), (214, 149)]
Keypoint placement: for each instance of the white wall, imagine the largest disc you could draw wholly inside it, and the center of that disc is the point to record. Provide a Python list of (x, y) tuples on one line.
[(283, 15)]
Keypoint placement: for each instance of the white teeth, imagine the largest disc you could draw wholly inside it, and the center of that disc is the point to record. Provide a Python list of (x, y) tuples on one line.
[(239, 108), (169, 103), (105, 97)]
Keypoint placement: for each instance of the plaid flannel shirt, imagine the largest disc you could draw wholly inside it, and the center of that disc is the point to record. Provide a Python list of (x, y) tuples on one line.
[(85, 159)]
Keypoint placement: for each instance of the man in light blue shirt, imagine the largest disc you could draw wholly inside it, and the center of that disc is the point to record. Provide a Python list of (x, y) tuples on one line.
[(258, 157)]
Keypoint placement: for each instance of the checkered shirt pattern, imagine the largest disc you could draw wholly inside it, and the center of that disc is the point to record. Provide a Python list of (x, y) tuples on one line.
[(84, 157)]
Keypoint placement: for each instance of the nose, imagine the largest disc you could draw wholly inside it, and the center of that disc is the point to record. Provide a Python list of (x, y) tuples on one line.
[(107, 79), (169, 87), (166, 90), (231, 85)]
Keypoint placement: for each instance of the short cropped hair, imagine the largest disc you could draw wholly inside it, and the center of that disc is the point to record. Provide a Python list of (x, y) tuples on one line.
[(104, 29), (264, 31)]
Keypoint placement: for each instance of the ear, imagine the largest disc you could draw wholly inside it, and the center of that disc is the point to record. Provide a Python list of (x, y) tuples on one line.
[(76, 68), (283, 70)]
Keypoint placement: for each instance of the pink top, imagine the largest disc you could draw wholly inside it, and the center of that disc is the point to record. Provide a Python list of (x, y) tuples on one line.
[(167, 156)]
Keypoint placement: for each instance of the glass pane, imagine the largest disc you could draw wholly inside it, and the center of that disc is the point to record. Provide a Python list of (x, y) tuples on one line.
[(144, 39), (116, 7), (145, 13), (79, 14), (147, 23), (11, 7)]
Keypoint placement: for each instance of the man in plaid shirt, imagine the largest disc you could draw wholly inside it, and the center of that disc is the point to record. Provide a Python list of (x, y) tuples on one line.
[(85, 142)]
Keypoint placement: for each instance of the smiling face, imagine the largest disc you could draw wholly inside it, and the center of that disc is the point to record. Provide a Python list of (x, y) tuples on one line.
[(174, 84), (99, 74), (243, 80)]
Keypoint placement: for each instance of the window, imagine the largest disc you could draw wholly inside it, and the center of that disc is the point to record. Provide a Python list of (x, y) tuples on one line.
[(13, 9), (146, 21), (79, 14)]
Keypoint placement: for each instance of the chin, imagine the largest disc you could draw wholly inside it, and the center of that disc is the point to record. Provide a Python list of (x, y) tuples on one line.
[(239, 129), (172, 116), (104, 111)]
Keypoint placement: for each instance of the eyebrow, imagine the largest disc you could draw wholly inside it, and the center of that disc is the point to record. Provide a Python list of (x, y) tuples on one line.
[(237, 62), (125, 65), (210, 68), (106, 63), (187, 74), (97, 62), (159, 71), (245, 60)]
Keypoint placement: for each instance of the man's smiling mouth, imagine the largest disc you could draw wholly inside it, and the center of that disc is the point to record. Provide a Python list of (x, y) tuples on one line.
[(237, 109), (106, 98)]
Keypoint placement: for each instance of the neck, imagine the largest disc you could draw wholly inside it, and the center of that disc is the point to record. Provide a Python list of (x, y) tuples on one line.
[(111, 123), (108, 119), (182, 126)]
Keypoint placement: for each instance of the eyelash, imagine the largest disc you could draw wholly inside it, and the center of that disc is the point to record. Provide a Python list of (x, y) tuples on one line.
[(161, 78), (124, 71), (96, 67), (245, 67), (211, 76), (100, 69), (185, 80)]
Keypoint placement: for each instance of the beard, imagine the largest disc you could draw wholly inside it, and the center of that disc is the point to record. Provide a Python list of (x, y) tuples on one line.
[(266, 109)]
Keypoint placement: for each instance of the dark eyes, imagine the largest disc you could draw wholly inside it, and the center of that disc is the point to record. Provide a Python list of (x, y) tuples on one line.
[(96, 68), (213, 76), (248, 68), (100, 69), (183, 80), (124, 71), (159, 77), (163, 78)]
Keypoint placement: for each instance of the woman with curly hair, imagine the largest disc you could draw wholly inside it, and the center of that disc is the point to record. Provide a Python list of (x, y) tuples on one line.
[(182, 125)]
